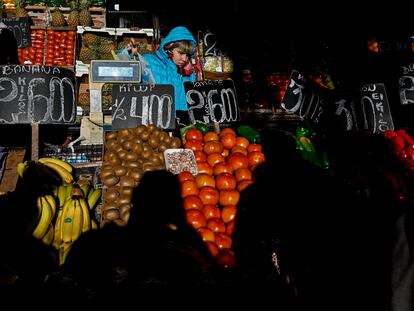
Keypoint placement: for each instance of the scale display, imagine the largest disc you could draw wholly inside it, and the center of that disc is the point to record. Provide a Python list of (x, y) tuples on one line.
[(115, 71)]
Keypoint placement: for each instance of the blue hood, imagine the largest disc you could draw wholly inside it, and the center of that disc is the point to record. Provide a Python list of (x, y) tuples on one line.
[(178, 33)]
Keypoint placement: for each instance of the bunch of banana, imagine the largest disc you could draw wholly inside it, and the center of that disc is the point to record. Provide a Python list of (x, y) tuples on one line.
[(44, 229), (73, 217), (61, 167)]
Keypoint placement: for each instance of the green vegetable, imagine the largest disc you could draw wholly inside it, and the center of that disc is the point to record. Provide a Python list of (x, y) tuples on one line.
[(203, 128), (246, 131)]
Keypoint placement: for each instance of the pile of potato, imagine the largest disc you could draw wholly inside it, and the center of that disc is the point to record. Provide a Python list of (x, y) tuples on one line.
[(129, 153)]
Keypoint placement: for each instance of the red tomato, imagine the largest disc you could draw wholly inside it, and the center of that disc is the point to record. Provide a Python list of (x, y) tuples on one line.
[(192, 202), (225, 181), (189, 187), (193, 144), (254, 147), (228, 213), (238, 149), (226, 258), (213, 248), (194, 134), (210, 136), (242, 142), (216, 225), (212, 147), (185, 175), (204, 179), (229, 197), (227, 130), (222, 168), (200, 156), (254, 158), (209, 195), (244, 184), (211, 211), (228, 140), (237, 160), (203, 167), (196, 218), (243, 174), (230, 228), (223, 240), (206, 234), (214, 158)]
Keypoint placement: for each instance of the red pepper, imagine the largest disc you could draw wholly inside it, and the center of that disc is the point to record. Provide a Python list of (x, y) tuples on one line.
[(406, 137), (397, 144), (410, 151)]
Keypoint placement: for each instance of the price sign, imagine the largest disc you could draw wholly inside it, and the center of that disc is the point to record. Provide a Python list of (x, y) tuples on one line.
[(212, 101), (135, 104)]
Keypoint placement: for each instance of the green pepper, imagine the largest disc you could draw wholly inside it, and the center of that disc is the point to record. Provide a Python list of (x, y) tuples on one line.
[(302, 132), (203, 128), (246, 131)]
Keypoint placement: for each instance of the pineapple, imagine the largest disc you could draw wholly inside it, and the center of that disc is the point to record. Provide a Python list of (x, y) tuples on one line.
[(87, 54), (58, 19), (73, 18), (20, 10), (85, 18), (90, 39)]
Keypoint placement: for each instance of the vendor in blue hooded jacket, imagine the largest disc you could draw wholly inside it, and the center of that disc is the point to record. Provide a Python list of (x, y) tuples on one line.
[(170, 64)]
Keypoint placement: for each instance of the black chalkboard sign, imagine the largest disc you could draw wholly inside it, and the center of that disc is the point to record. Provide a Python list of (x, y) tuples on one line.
[(136, 104), (304, 97), (212, 101), (20, 28), (37, 94), (406, 84), (374, 109)]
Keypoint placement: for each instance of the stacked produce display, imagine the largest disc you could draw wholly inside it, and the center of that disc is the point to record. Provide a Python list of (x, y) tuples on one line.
[(129, 153), (225, 163)]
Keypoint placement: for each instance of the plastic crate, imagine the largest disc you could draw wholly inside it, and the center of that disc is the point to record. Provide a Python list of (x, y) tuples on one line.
[(80, 154)]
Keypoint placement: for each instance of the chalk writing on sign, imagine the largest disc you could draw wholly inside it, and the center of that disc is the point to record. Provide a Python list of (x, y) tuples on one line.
[(20, 27), (135, 104), (303, 98), (406, 85), (212, 101), (375, 109), (37, 94)]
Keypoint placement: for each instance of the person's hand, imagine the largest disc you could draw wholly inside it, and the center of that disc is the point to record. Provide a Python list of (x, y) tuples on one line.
[(132, 47)]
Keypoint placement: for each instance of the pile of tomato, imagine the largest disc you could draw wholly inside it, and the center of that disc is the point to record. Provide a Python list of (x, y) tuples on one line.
[(225, 164), (59, 49)]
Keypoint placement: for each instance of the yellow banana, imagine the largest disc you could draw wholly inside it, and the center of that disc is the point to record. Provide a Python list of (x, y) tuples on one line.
[(45, 219), (62, 172), (85, 188), (94, 225), (48, 238), (69, 188), (64, 251), (21, 167), (52, 202), (93, 198), (57, 239), (66, 222), (86, 217), (59, 162), (62, 195), (77, 221)]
